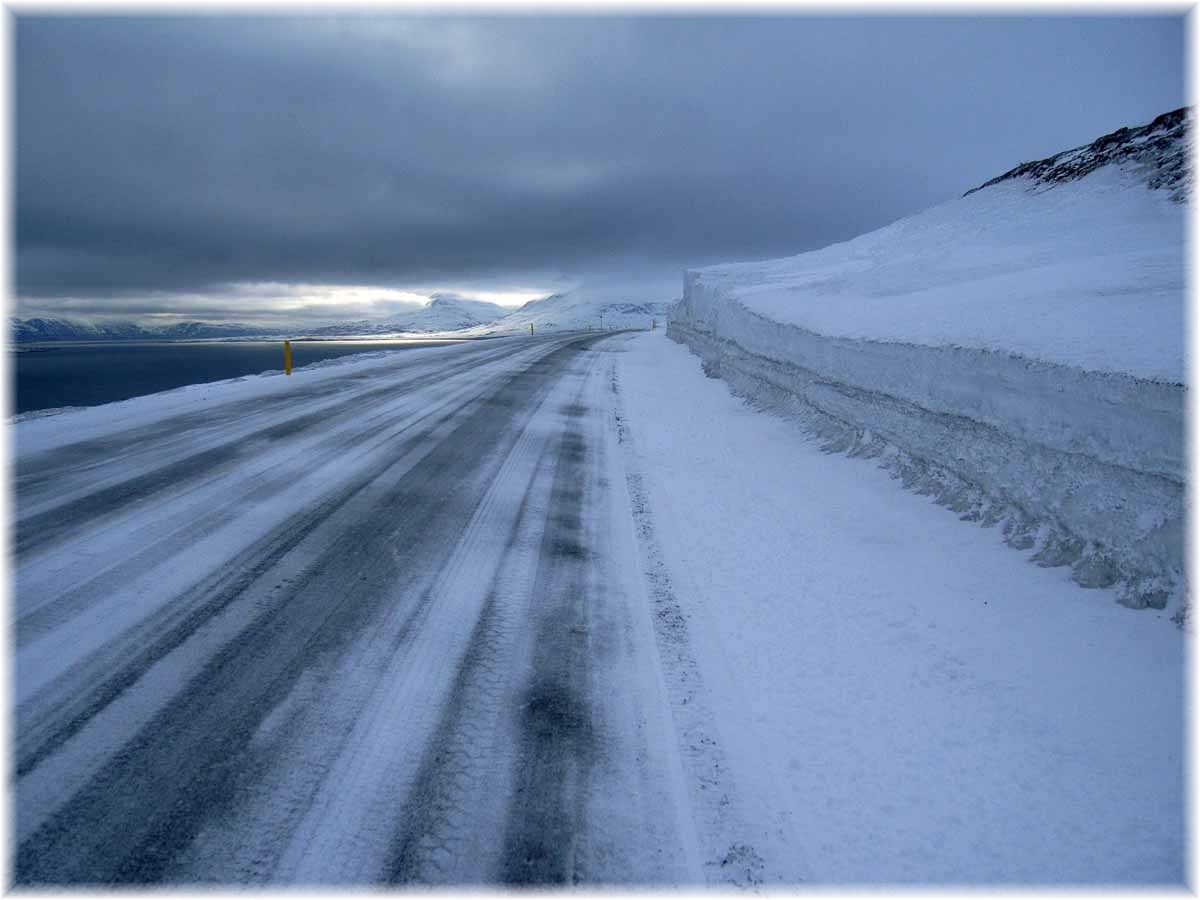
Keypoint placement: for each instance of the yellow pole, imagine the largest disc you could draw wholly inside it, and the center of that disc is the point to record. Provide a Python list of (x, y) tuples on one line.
[(287, 357)]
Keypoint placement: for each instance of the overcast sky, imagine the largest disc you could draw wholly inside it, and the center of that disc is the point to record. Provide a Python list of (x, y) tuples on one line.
[(246, 168)]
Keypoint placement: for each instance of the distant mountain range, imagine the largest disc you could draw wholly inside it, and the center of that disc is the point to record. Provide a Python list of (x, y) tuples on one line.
[(441, 314), (51, 329), (573, 310)]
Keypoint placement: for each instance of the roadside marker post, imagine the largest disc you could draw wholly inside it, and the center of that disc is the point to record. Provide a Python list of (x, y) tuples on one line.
[(531, 328), (287, 357)]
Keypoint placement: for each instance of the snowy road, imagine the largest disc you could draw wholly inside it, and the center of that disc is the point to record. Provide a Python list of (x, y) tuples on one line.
[(545, 610), (379, 623)]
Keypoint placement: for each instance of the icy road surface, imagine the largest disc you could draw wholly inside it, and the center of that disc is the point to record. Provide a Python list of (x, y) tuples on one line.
[(381, 625), (552, 610)]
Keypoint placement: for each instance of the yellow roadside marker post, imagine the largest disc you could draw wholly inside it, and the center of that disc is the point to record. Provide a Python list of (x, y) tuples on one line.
[(287, 357)]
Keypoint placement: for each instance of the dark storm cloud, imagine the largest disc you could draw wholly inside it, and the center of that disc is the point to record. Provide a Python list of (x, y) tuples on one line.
[(179, 155)]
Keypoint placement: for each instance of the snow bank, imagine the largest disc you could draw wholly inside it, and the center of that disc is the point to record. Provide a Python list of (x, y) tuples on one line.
[(895, 699), (1016, 353)]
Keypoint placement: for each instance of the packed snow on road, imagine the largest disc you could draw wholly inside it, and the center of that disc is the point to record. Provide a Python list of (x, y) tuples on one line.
[(510, 612), (777, 595)]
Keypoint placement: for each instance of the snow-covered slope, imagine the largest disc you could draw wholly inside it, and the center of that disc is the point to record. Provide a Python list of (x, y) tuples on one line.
[(908, 701), (450, 314), (578, 310), (442, 313), (1158, 150), (1086, 273), (1017, 352)]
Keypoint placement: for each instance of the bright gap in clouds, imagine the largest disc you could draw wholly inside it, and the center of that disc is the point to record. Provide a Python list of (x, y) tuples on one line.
[(272, 303), (281, 303), (303, 296)]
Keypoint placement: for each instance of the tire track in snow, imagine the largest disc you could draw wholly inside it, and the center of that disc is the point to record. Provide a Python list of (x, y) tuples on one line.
[(149, 810), (51, 525), (413, 678), (82, 688), (721, 821), (96, 680), (458, 795), (432, 845), (386, 720), (174, 525), (180, 432), (509, 790), (558, 718)]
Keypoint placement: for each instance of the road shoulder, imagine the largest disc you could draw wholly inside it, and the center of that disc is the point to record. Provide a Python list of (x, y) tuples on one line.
[(900, 696)]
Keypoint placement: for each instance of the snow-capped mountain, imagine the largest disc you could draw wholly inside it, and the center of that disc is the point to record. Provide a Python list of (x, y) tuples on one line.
[(578, 310), (55, 329), (443, 313), (448, 313)]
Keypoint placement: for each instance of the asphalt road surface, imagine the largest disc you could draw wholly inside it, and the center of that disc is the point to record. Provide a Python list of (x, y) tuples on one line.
[(386, 627)]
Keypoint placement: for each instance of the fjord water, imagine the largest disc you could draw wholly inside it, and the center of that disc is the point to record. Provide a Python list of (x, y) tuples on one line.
[(47, 376)]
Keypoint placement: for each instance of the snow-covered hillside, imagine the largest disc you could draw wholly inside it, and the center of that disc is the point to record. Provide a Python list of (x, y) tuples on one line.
[(1086, 272), (442, 313), (578, 310), (1017, 352), (574, 310), (1159, 151)]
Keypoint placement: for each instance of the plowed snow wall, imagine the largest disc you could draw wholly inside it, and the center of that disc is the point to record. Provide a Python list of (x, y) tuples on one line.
[(1082, 468)]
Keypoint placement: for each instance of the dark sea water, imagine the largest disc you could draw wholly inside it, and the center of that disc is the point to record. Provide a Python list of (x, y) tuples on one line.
[(52, 375)]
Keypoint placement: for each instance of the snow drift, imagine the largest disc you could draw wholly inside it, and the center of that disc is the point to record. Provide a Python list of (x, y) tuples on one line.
[(1017, 353)]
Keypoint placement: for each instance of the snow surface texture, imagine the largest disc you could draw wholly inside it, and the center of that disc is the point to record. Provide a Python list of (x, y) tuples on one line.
[(897, 698), (378, 622), (1017, 353), (211, 584)]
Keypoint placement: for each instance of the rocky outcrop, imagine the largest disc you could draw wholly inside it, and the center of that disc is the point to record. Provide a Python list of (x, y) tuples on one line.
[(1158, 149)]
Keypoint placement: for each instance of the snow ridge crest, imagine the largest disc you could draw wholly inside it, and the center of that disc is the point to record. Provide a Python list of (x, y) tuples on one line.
[(1159, 150)]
